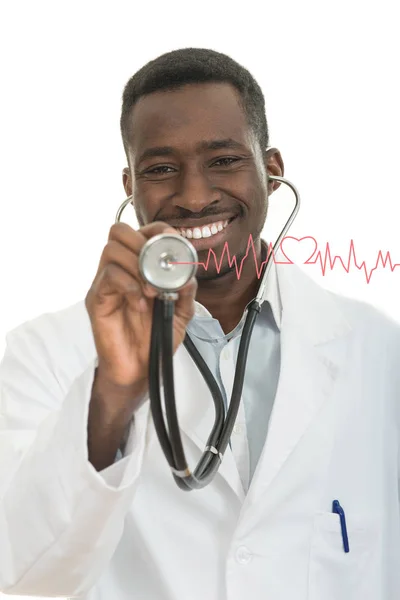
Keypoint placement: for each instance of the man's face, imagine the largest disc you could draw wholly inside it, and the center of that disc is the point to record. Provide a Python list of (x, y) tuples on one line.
[(196, 165)]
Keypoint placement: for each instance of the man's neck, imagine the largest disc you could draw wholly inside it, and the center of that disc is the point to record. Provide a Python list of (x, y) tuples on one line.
[(226, 297)]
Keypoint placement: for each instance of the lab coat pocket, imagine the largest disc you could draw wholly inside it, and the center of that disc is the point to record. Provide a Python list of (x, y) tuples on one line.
[(338, 575)]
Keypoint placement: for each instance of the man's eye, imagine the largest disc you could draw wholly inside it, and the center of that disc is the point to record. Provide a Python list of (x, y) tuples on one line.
[(226, 161), (161, 170)]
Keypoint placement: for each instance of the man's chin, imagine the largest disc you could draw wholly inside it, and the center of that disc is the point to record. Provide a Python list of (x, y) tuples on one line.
[(217, 265), (212, 273)]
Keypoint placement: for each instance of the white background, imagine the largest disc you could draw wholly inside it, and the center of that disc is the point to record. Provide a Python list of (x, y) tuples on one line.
[(329, 74)]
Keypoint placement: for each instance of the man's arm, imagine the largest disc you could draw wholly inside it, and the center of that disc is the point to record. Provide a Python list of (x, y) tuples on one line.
[(60, 517), (108, 427)]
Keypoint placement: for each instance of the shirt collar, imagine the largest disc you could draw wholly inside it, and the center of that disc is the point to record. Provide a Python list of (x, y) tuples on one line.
[(271, 295)]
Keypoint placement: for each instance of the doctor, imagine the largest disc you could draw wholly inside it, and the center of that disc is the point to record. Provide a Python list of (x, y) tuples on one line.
[(305, 505)]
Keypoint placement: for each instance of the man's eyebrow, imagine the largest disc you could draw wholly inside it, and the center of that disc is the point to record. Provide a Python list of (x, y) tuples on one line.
[(227, 144), (156, 151)]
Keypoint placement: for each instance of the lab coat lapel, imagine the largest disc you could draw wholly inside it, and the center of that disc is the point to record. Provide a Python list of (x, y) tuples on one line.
[(310, 366)]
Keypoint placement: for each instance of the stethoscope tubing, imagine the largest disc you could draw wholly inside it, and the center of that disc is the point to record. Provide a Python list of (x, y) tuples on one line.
[(161, 350)]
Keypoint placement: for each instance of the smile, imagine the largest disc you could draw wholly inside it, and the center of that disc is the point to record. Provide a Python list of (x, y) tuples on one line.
[(205, 231)]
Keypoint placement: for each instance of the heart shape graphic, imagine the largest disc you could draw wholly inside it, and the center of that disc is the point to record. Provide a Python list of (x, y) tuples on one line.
[(304, 252)]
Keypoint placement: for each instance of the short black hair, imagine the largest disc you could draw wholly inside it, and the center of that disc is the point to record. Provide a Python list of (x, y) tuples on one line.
[(196, 65)]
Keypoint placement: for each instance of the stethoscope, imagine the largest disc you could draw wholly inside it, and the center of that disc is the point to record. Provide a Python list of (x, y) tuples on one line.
[(157, 264)]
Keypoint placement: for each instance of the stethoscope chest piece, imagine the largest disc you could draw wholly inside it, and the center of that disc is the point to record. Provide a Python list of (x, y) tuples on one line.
[(158, 258)]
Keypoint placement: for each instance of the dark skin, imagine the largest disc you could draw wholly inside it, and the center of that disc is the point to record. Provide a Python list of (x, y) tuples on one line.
[(190, 182)]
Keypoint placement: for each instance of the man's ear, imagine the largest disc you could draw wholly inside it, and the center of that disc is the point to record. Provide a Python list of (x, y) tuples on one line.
[(127, 181), (274, 166)]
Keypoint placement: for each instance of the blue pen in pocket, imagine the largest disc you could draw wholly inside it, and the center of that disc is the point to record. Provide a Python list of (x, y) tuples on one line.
[(336, 508)]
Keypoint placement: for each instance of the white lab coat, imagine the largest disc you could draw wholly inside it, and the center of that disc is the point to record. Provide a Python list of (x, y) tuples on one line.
[(131, 533)]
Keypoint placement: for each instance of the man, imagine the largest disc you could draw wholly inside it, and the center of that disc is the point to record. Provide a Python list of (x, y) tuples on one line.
[(305, 504)]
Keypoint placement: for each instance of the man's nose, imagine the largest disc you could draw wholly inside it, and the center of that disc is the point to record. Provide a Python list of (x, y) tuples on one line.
[(196, 191)]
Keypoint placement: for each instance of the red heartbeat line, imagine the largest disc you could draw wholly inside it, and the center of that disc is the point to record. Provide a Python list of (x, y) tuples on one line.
[(323, 257)]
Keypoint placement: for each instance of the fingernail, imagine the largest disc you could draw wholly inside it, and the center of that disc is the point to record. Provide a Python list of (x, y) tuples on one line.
[(142, 305)]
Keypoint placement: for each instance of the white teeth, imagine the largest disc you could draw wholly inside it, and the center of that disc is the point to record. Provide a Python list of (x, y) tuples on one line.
[(196, 233), (203, 232)]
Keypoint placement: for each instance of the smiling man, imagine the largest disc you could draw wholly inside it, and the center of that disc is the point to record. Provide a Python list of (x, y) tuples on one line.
[(305, 504), (198, 160)]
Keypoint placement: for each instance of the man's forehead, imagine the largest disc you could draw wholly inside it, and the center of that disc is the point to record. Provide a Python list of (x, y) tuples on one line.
[(198, 113)]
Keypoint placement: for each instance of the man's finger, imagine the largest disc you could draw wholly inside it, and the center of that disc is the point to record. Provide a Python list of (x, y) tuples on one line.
[(135, 240)]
